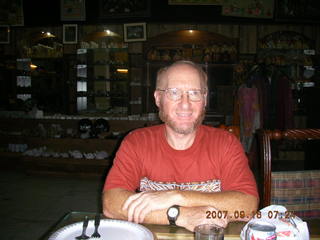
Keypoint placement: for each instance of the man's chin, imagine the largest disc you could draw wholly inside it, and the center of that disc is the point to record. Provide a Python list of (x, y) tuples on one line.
[(182, 128)]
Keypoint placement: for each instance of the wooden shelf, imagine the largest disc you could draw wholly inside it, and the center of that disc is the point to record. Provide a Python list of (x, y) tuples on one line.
[(55, 166), (20, 125), (66, 166), (59, 166), (64, 144)]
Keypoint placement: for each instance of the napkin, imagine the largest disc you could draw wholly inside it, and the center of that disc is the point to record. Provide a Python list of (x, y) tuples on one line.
[(288, 225)]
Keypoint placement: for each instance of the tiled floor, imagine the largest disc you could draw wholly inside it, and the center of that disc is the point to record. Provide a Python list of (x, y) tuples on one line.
[(30, 205)]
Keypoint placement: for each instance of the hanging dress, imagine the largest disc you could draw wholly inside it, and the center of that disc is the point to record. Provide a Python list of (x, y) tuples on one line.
[(249, 114)]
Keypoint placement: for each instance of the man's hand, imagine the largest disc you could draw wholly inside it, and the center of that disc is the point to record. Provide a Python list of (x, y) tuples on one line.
[(190, 217), (140, 204)]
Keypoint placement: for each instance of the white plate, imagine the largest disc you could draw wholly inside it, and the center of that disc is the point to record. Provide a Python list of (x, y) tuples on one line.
[(109, 229)]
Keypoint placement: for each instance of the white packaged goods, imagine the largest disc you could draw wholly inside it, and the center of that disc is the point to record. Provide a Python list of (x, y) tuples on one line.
[(288, 226)]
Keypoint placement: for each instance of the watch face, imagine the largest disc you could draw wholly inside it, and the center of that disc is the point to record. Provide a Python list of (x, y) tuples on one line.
[(173, 212)]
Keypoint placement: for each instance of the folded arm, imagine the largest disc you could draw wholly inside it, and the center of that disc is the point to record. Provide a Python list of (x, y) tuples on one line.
[(196, 207)]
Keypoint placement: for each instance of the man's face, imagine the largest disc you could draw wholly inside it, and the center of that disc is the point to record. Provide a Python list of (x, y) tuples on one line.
[(182, 116)]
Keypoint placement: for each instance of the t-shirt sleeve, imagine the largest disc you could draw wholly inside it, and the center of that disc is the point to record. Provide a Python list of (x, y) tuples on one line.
[(125, 171), (235, 173)]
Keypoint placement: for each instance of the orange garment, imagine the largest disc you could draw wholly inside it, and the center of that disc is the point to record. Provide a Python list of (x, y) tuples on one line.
[(215, 162)]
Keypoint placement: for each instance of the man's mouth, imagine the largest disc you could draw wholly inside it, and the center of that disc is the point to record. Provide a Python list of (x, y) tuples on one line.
[(184, 114)]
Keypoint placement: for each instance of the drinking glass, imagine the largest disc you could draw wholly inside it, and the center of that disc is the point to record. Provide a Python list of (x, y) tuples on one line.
[(209, 232)]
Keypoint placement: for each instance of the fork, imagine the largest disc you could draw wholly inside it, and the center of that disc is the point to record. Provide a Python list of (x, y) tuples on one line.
[(96, 225), (83, 235)]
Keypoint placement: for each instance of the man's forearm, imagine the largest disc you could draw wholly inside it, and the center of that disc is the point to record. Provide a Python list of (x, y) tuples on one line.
[(113, 201), (235, 204), (231, 202)]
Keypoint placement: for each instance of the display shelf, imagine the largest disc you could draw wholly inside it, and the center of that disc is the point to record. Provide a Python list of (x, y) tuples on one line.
[(63, 144), (23, 79), (40, 83), (59, 165), (292, 55), (102, 74), (27, 127), (23, 131), (66, 166), (195, 45)]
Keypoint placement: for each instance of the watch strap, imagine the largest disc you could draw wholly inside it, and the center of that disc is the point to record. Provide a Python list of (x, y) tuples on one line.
[(172, 220)]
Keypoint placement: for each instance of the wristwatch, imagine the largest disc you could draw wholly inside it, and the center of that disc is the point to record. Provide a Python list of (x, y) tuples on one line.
[(173, 213)]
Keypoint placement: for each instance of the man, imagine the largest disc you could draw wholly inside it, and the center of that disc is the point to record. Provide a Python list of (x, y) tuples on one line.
[(188, 174)]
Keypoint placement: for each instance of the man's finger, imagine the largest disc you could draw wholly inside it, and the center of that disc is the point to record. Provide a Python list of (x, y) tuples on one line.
[(133, 205), (143, 211), (129, 200)]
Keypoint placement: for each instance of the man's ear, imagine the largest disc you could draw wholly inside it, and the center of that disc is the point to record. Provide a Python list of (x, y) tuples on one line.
[(205, 99), (157, 97)]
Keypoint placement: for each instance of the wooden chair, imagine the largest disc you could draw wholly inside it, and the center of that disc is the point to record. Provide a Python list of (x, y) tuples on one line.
[(299, 191)]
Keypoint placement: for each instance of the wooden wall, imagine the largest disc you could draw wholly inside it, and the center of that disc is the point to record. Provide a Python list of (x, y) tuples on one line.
[(248, 34)]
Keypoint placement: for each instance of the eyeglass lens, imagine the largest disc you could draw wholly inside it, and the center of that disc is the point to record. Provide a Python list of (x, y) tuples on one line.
[(176, 94)]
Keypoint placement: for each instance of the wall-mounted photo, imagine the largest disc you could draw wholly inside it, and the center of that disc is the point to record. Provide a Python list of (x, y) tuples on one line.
[(71, 10), (299, 10), (134, 32), (70, 33), (4, 34), (11, 12), (124, 8)]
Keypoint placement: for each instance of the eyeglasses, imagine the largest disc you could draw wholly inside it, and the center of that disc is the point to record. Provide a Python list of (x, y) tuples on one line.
[(175, 94)]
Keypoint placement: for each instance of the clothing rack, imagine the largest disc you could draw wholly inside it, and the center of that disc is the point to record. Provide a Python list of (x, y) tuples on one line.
[(265, 69)]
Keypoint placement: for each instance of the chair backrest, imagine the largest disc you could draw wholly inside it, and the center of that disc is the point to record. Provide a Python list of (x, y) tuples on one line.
[(287, 187)]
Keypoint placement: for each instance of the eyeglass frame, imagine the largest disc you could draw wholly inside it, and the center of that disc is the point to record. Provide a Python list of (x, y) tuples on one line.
[(202, 92)]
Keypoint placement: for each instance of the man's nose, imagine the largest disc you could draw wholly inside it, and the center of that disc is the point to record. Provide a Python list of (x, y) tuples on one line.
[(185, 100)]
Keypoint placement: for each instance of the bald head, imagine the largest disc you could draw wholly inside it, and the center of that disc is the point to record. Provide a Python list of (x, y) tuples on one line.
[(162, 75)]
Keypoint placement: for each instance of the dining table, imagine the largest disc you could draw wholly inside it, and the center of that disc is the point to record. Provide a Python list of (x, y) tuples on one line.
[(168, 232)]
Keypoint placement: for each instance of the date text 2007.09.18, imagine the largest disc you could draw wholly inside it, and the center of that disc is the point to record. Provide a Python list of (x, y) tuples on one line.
[(242, 215)]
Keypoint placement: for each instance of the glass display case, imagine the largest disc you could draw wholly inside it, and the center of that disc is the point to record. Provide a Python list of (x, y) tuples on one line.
[(39, 74), (102, 80), (292, 54), (102, 74), (23, 77)]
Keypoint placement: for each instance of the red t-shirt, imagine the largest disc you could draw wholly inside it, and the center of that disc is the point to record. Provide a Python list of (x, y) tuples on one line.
[(214, 162)]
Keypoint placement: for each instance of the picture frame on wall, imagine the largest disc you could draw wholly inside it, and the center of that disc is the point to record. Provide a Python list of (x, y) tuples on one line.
[(124, 9), (12, 12), (72, 10), (297, 10), (4, 34), (135, 32), (70, 33)]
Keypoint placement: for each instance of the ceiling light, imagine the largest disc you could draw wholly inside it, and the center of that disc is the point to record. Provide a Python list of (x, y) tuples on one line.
[(122, 70), (33, 66)]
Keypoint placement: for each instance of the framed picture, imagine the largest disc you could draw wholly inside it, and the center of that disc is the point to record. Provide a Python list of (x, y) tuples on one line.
[(70, 33), (194, 2), (4, 34), (124, 9), (134, 32), (72, 10), (12, 12), (298, 11)]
